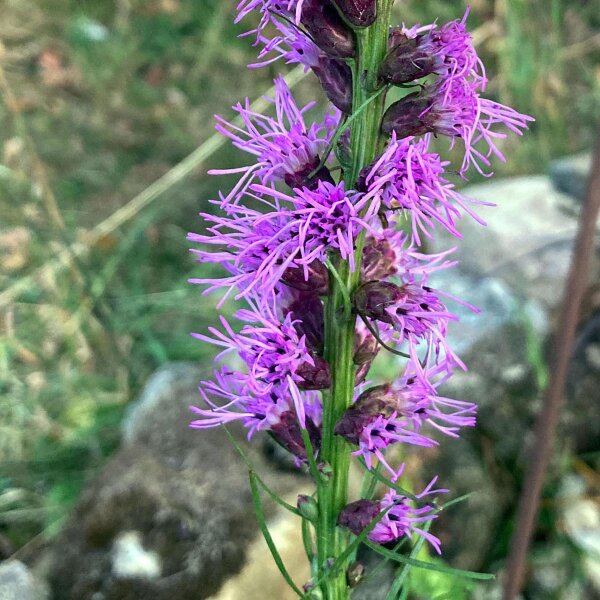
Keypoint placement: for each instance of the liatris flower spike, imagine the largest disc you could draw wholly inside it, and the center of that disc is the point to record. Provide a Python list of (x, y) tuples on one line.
[(318, 249)]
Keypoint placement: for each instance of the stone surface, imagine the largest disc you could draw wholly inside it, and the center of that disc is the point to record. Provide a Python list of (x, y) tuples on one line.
[(514, 271), (569, 174), (171, 515), (527, 243), (18, 583)]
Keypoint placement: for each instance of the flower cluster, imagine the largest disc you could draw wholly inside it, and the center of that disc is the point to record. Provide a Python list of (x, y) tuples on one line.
[(294, 214)]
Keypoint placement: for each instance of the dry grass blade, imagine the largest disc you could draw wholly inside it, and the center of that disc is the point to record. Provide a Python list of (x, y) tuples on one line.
[(138, 203)]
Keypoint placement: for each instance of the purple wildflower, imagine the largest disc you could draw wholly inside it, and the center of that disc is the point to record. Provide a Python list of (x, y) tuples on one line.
[(413, 309), (228, 398), (395, 413), (260, 247), (390, 253), (400, 517), (286, 148), (446, 51), (419, 187), (458, 112)]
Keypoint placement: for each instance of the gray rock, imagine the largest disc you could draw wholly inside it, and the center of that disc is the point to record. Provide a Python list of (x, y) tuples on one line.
[(569, 175), (18, 583), (527, 243), (171, 515)]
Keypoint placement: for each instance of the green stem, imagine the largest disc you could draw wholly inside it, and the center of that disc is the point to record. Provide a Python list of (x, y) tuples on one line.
[(366, 142)]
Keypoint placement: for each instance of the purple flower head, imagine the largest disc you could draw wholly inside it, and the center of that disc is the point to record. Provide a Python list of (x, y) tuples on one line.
[(282, 409), (390, 253), (400, 517), (403, 519), (446, 51), (291, 43), (257, 248), (285, 147), (413, 309), (295, 47), (418, 186), (274, 352), (458, 112)]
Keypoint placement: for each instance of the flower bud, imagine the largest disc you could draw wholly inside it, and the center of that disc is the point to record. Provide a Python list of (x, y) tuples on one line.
[(317, 376), (335, 77), (306, 177), (327, 29), (317, 282), (374, 402), (379, 259), (407, 60), (372, 299), (309, 320), (358, 515), (366, 347), (410, 116), (308, 507), (287, 433), (361, 13), (361, 373)]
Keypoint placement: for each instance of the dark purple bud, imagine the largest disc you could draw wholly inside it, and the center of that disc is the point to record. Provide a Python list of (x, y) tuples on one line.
[(413, 115), (358, 515), (361, 13), (374, 402), (372, 299), (317, 376), (352, 424), (287, 433), (317, 281), (407, 60), (361, 373), (335, 77), (366, 347), (307, 311), (356, 573), (309, 176), (308, 507), (327, 28), (379, 259)]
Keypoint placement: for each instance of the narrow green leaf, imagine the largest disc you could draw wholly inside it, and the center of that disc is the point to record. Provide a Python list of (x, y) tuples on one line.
[(450, 503), (343, 126), (307, 540), (383, 479), (343, 289), (262, 484), (260, 515), (398, 588), (430, 566), (310, 455)]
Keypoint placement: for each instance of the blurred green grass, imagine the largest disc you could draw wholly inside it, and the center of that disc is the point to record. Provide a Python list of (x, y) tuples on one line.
[(100, 99)]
